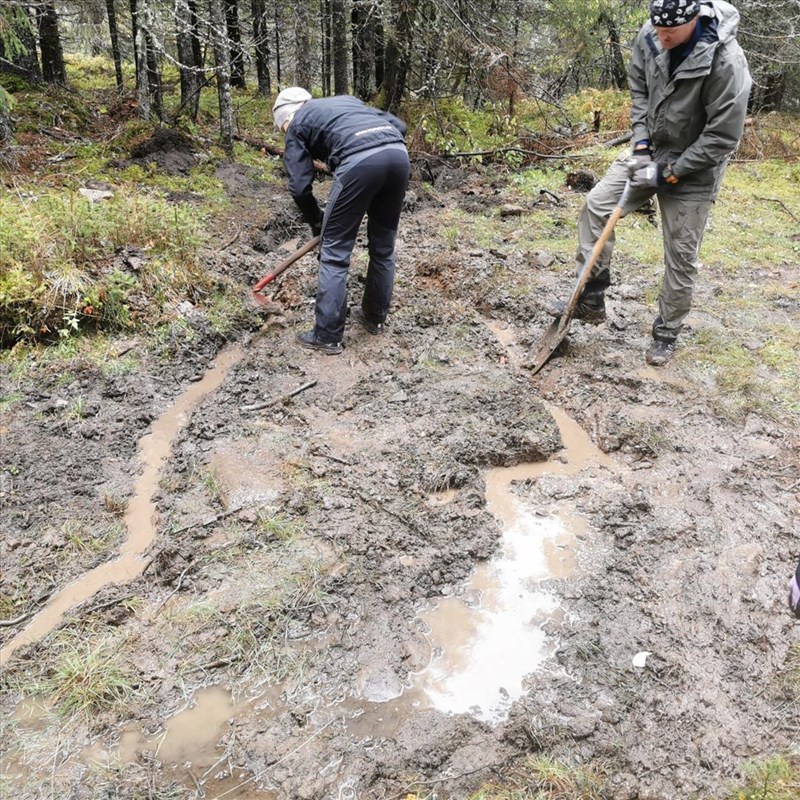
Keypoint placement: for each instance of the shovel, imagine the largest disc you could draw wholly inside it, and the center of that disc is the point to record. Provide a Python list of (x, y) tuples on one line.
[(559, 328), (284, 265)]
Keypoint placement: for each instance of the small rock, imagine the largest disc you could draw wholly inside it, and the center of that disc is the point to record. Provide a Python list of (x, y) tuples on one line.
[(510, 210), (95, 195)]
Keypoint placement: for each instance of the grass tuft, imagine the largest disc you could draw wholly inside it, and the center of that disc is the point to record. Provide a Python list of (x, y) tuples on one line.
[(88, 678)]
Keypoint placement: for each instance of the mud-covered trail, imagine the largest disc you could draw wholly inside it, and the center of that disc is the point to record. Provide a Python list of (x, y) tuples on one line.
[(415, 572)]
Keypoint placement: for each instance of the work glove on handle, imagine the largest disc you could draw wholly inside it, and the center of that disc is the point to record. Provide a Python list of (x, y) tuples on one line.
[(651, 175), (311, 212), (641, 156)]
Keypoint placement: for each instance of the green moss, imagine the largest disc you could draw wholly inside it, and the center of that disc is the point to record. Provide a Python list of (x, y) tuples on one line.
[(777, 778)]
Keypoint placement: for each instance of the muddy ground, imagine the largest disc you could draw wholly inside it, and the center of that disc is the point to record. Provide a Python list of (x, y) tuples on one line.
[(298, 540)]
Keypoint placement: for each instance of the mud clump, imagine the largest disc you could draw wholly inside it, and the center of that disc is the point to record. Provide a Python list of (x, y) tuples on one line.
[(167, 150)]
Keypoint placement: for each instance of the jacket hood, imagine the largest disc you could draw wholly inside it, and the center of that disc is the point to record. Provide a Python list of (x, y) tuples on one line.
[(727, 18)]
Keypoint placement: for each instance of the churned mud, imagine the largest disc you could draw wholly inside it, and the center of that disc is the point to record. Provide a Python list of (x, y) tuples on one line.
[(403, 569)]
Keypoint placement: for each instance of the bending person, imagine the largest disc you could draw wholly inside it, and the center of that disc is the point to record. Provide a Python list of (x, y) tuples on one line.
[(365, 149)]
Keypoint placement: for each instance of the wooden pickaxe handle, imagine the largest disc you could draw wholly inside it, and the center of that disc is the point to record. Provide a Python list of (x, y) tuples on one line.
[(284, 265)]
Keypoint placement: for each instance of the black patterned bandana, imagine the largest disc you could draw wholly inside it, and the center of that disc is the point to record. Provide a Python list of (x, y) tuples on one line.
[(671, 13)]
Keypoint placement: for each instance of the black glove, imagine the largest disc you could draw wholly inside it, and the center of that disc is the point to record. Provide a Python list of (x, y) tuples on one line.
[(644, 177), (651, 175), (311, 212), (640, 157)]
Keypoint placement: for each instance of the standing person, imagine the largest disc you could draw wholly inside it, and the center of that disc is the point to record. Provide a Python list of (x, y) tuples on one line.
[(689, 85), (365, 149)]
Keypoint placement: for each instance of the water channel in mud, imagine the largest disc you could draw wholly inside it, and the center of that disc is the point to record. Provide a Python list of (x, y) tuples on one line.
[(488, 637), (484, 641), (140, 521)]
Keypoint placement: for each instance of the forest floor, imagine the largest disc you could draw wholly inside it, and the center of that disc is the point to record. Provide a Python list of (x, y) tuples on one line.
[(414, 569)]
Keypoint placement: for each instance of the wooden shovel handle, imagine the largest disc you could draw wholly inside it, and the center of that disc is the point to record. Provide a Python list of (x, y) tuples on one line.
[(596, 250)]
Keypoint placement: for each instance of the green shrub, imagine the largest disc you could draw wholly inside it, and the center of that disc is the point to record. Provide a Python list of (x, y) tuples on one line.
[(56, 252)]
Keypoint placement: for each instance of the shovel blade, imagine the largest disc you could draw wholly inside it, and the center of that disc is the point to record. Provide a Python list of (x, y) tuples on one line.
[(552, 338)]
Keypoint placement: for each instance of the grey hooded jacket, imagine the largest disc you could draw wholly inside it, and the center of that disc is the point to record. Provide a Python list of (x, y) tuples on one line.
[(693, 119)]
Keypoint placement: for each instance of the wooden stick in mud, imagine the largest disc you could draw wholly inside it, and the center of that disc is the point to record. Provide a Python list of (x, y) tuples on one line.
[(274, 401)]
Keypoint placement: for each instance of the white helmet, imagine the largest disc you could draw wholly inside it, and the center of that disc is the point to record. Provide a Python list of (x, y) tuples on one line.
[(287, 104)]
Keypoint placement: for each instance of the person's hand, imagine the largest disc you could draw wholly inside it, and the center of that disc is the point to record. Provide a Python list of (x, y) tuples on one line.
[(316, 228), (645, 177), (640, 157)]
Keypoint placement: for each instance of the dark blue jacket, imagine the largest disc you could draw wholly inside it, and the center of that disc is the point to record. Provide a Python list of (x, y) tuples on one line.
[(331, 129)]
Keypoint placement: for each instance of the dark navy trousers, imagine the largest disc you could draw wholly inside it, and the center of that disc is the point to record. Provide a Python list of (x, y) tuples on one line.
[(373, 183)]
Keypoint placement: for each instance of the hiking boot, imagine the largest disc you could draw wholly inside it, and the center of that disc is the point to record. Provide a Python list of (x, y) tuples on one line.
[(309, 340), (660, 352), (370, 326), (591, 308)]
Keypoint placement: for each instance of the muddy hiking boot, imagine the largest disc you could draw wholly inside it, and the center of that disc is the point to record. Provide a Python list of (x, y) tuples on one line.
[(369, 325), (591, 308), (660, 352), (310, 341)]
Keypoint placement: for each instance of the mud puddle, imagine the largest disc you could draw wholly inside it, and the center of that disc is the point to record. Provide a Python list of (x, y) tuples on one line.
[(140, 521), (488, 638), (190, 744)]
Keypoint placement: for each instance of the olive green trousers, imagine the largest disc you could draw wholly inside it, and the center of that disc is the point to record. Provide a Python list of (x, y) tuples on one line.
[(683, 221)]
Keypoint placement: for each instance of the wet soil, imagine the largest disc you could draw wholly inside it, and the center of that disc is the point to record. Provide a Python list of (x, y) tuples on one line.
[(278, 627)]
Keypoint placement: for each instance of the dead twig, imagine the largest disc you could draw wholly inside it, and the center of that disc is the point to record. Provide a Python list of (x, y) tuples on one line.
[(109, 603), (172, 593), (780, 203), (37, 604), (272, 150), (280, 399), (222, 662), (10, 623), (207, 522), (232, 241), (626, 137), (501, 150), (556, 199)]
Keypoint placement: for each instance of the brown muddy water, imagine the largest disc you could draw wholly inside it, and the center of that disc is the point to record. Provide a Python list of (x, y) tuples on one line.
[(154, 449), (484, 641), (488, 638)]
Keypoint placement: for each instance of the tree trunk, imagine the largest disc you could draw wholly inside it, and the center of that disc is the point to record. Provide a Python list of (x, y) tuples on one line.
[(261, 38), (6, 130), (222, 56), (380, 52), (398, 52), (153, 73), (619, 75), (24, 64), (142, 83), (50, 44), (277, 45), (302, 44), (235, 42), (432, 47), (363, 33), (190, 71), (340, 60), (114, 34), (134, 7), (148, 76), (773, 91), (325, 29)]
